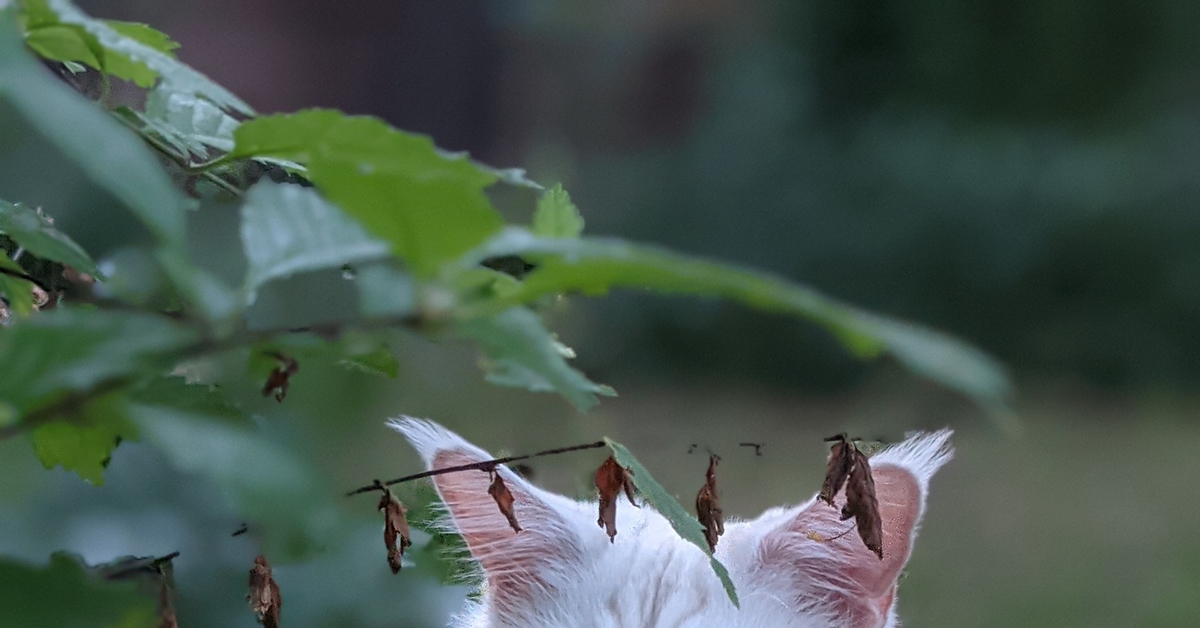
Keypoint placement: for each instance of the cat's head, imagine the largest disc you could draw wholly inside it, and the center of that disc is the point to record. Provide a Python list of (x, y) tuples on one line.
[(789, 570)]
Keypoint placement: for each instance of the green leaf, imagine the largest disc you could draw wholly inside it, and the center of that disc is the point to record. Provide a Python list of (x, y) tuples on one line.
[(37, 235), (63, 595), (18, 292), (85, 442), (379, 361), (285, 499), (521, 352), (288, 229), (204, 292), (176, 393), (186, 120), (64, 43), (384, 292), (144, 34), (138, 53), (511, 176), (556, 216), (595, 265), (108, 154), (69, 350), (429, 208), (686, 526)]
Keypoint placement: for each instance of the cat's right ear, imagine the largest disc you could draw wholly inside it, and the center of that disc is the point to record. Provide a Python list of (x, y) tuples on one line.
[(520, 566), (823, 559)]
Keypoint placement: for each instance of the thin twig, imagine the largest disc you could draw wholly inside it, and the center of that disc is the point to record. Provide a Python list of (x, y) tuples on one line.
[(71, 402), (183, 161), (483, 465)]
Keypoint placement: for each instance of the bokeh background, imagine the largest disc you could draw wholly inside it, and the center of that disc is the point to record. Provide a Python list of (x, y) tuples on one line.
[(1021, 173)]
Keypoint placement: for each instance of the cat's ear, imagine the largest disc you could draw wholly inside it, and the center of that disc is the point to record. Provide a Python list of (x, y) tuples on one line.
[(520, 566), (840, 575)]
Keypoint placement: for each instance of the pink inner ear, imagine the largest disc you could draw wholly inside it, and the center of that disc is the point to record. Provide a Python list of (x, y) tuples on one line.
[(847, 575), (516, 564)]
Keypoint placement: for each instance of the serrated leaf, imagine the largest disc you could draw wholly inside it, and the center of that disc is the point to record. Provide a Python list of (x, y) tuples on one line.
[(194, 123), (595, 265), (516, 177), (37, 235), (429, 208), (556, 216), (137, 53), (18, 292), (108, 154), (520, 352), (84, 442), (287, 229), (284, 498), (685, 525), (64, 43), (144, 34), (65, 350), (63, 594)]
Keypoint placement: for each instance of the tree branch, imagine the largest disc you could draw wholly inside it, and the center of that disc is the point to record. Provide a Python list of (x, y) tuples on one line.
[(483, 465)]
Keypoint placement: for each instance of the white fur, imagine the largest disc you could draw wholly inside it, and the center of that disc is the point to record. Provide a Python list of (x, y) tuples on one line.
[(650, 577)]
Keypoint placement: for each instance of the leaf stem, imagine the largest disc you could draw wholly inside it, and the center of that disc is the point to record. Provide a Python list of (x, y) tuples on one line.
[(183, 161), (483, 465), (71, 402)]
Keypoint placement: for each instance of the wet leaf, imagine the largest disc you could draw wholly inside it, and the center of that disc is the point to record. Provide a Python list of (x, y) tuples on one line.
[(504, 500), (396, 536), (840, 461), (708, 505), (264, 594), (281, 376)]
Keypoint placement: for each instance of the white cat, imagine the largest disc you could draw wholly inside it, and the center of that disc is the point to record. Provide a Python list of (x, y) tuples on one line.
[(562, 571)]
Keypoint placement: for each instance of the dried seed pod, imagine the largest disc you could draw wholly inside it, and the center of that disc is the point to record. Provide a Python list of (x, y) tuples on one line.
[(862, 504), (264, 594), (395, 529), (611, 479), (504, 500), (281, 375), (708, 507), (840, 461)]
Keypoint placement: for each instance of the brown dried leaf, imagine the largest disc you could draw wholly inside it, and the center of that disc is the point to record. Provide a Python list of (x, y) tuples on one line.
[(708, 508), (504, 499), (862, 504), (840, 461), (280, 377), (611, 479), (395, 529), (264, 594)]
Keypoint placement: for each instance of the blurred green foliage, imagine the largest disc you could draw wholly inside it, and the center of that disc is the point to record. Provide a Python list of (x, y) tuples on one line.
[(234, 286)]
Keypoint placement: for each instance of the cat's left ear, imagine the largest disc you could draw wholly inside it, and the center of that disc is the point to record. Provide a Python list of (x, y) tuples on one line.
[(520, 566), (839, 572)]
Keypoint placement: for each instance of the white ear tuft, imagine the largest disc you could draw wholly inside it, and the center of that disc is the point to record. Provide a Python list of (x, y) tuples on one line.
[(428, 438), (824, 560), (921, 453), (521, 567)]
